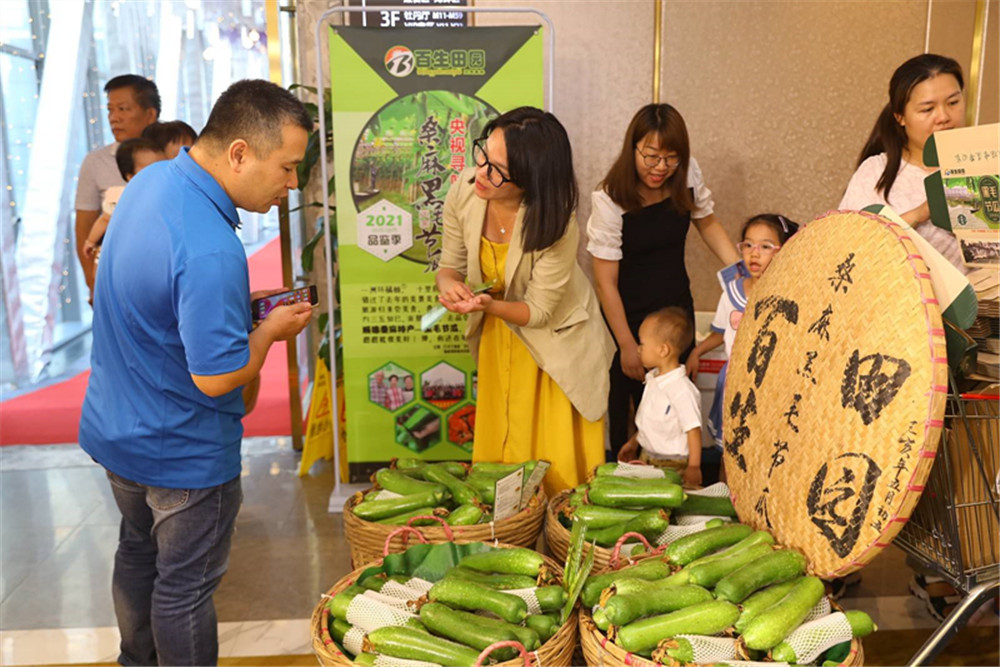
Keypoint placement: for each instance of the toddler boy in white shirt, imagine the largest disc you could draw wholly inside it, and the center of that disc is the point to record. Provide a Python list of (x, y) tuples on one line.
[(668, 420)]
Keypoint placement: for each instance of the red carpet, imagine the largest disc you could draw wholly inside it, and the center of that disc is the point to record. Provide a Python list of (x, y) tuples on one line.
[(52, 415)]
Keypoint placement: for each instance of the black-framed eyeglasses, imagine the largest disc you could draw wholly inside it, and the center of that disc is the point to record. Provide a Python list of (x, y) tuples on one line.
[(652, 161), (493, 173)]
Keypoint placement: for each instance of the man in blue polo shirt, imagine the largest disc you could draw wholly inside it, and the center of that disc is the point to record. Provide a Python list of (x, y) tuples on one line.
[(174, 354)]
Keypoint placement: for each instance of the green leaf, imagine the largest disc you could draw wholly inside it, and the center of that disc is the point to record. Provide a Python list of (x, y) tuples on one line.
[(309, 249), (311, 89), (312, 155), (579, 579), (324, 353), (453, 102), (312, 204), (340, 351), (574, 553)]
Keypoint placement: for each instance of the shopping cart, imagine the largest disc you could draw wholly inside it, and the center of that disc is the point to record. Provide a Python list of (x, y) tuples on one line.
[(954, 532)]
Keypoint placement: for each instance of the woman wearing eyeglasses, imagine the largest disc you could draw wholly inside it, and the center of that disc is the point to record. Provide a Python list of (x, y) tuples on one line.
[(638, 225), (541, 345)]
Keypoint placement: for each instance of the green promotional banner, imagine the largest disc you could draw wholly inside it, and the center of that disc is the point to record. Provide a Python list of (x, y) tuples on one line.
[(407, 105)]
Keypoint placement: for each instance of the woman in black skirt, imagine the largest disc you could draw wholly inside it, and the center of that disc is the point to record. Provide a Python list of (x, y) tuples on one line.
[(638, 224)]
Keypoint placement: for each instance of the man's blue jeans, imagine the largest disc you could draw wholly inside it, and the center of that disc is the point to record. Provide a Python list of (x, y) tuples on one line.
[(173, 548)]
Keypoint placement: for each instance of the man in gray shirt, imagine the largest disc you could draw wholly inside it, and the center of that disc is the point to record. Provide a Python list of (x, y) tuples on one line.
[(133, 103)]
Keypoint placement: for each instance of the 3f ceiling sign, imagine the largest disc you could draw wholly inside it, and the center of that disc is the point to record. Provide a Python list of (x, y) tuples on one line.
[(425, 14)]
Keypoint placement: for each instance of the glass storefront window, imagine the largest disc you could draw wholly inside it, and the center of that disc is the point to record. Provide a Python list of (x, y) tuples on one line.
[(19, 83), (16, 25), (192, 49)]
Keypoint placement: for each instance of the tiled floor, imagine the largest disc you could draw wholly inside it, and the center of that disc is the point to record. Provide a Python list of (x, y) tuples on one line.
[(61, 524), (58, 533)]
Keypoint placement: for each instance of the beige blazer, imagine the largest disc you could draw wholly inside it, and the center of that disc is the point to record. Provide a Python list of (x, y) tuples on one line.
[(565, 333)]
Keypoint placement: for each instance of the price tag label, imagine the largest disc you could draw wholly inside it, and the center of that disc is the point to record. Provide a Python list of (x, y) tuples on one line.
[(531, 486), (507, 495)]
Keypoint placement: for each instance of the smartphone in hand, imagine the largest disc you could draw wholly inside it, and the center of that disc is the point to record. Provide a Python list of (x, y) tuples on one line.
[(261, 307)]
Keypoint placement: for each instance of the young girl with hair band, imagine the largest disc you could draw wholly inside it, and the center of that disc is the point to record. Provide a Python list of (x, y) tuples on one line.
[(763, 235), (638, 225), (925, 96)]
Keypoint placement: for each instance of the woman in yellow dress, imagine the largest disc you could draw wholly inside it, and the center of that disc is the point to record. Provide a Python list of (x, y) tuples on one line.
[(542, 347)]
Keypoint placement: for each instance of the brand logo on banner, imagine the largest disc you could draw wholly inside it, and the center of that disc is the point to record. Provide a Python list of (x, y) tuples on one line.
[(465, 55), (399, 61)]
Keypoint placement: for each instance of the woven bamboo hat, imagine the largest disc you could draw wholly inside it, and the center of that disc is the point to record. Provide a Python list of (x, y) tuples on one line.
[(835, 391)]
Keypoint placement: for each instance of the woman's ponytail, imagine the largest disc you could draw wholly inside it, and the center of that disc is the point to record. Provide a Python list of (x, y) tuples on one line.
[(889, 137)]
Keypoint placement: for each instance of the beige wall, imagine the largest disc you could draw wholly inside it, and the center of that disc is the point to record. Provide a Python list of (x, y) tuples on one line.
[(603, 70), (951, 34), (778, 95), (779, 98)]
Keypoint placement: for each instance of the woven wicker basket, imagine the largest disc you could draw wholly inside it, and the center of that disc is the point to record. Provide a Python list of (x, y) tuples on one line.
[(599, 651), (557, 536), (556, 652), (367, 538)]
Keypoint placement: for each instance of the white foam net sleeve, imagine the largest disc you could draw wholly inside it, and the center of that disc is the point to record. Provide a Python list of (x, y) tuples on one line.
[(716, 490), (712, 649), (821, 609), (673, 533), (419, 584), (638, 471), (812, 638), (697, 519), (383, 660), (389, 600), (369, 614), (394, 589), (754, 663), (353, 639), (386, 494), (528, 595)]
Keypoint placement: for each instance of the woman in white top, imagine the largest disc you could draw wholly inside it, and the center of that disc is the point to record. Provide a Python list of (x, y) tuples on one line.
[(925, 96), (638, 224)]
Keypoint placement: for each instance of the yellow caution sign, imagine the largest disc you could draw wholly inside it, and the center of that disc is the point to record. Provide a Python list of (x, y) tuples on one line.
[(319, 423)]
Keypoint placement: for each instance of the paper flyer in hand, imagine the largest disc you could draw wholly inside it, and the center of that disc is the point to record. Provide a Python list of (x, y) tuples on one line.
[(965, 193)]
